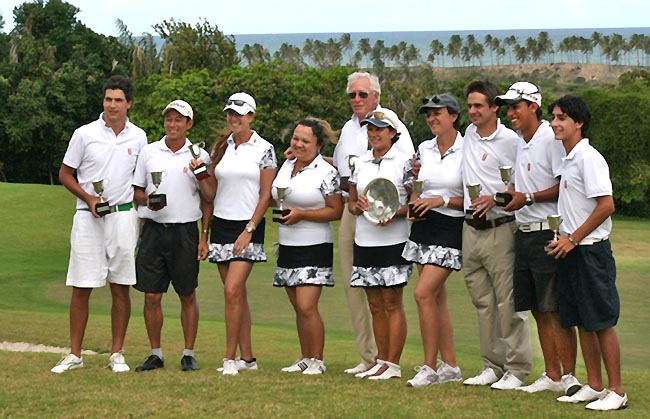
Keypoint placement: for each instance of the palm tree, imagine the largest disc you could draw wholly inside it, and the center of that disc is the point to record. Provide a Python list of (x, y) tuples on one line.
[(364, 47), (545, 45), (510, 43), (487, 41), (437, 49), (453, 47), (411, 55), (521, 54), (345, 42)]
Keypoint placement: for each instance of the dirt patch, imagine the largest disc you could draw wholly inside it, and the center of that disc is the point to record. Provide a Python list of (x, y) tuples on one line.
[(37, 347)]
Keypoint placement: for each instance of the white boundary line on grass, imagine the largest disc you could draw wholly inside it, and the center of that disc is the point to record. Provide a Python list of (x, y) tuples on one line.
[(37, 347)]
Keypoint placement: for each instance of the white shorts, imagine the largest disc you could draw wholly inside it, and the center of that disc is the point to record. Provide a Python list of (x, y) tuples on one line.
[(102, 249)]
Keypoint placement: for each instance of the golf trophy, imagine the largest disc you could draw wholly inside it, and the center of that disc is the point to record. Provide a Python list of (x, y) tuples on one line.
[(201, 171), (157, 200), (554, 222), (345, 180), (417, 190), (503, 198), (102, 207), (473, 189), (280, 211)]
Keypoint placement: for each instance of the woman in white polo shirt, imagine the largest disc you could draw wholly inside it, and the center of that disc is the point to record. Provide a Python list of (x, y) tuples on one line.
[(306, 236), (244, 166), (435, 240), (378, 264)]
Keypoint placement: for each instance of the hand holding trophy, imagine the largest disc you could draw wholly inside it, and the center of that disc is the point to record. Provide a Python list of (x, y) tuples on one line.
[(503, 198), (156, 200), (200, 171), (418, 185), (554, 222), (102, 207), (279, 212)]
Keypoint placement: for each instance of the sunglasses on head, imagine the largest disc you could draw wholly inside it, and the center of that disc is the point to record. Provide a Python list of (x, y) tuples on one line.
[(377, 115), (433, 99), (235, 102), (362, 95)]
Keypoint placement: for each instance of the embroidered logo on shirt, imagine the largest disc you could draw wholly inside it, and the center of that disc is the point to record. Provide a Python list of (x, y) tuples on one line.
[(529, 167), (185, 169), (485, 155), (130, 151), (566, 184)]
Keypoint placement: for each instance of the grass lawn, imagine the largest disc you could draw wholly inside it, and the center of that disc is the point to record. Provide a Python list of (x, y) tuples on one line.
[(35, 223)]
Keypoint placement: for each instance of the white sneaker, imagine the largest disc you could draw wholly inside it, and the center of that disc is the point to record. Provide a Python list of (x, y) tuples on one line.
[(362, 367), (390, 370), (585, 394), (543, 383), (507, 382), (301, 364), (243, 365), (484, 378), (570, 384), (117, 363), (425, 377), (447, 373), (229, 367), (316, 367), (69, 362), (371, 370), (611, 401)]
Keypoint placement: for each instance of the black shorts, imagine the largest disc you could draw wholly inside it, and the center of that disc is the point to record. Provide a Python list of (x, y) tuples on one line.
[(167, 254), (534, 277), (586, 288)]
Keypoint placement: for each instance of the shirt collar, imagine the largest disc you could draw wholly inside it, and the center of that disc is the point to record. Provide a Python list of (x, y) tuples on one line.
[(251, 141), (581, 144)]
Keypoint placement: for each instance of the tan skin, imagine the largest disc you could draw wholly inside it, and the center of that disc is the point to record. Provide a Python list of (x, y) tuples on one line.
[(559, 345), (115, 112), (386, 304), (304, 299), (176, 127), (234, 274), (603, 343), (430, 293)]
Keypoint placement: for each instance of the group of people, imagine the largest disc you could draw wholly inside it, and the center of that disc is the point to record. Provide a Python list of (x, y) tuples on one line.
[(481, 205)]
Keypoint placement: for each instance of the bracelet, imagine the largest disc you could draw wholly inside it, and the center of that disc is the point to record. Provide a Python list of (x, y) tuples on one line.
[(573, 242), (205, 231)]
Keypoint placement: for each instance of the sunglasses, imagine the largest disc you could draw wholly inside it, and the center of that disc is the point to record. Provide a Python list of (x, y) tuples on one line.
[(433, 99), (235, 102), (377, 115), (362, 95)]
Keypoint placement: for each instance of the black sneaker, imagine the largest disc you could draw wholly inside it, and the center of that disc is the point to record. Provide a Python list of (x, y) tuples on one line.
[(152, 363), (188, 363)]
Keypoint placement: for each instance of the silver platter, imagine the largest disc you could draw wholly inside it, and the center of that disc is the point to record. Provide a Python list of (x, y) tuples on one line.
[(383, 199)]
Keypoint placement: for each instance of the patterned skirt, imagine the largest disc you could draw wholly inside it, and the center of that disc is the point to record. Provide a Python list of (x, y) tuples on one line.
[(381, 266), (436, 240), (223, 235), (305, 265)]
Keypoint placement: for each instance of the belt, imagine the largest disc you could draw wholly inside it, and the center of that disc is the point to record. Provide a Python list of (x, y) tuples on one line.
[(487, 224), (115, 208), (170, 225), (530, 227), (589, 242)]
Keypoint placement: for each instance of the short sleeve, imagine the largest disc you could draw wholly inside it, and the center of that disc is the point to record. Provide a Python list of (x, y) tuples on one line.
[(408, 175), (268, 161), (331, 184)]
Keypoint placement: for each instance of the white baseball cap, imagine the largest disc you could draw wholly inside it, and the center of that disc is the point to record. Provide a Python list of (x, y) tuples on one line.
[(381, 117), (522, 90), (181, 107), (242, 103)]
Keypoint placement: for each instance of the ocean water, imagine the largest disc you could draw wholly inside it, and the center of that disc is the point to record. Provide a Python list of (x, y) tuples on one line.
[(422, 39)]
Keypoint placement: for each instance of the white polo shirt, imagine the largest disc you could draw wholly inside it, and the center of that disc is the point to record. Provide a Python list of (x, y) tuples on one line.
[(307, 191), (354, 141), (238, 177), (442, 175), (585, 176), (537, 168), (482, 157), (178, 183), (97, 153), (393, 166)]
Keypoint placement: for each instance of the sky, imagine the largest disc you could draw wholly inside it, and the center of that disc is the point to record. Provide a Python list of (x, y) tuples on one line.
[(337, 16)]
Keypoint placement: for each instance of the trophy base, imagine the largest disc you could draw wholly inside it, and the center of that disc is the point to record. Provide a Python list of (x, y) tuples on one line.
[(547, 248), (469, 214), (158, 200), (102, 208), (412, 214), (502, 198), (201, 172), (277, 213)]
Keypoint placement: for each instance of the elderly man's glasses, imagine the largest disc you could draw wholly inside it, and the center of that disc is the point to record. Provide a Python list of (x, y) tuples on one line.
[(362, 95), (235, 102)]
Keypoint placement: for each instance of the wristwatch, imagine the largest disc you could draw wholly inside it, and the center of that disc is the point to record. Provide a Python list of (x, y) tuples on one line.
[(250, 227), (529, 199), (445, 201)]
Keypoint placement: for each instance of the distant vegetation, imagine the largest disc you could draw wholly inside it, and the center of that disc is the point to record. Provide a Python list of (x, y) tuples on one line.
[(52, 68)]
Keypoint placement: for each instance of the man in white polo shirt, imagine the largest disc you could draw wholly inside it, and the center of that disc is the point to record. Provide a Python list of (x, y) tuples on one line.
[(170, 248), (488, 245), (103, 153), (586, 275), (539, 157), (363, 91)]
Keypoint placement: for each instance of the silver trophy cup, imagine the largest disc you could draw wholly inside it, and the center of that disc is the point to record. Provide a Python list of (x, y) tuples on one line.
[(418, 186), (280, 211), (503, 198), (474, 190), (201, 171), (554, 222), (157, 200)]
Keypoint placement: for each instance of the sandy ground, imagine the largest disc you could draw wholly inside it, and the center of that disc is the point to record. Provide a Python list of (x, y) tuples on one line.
[(34, 347)]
